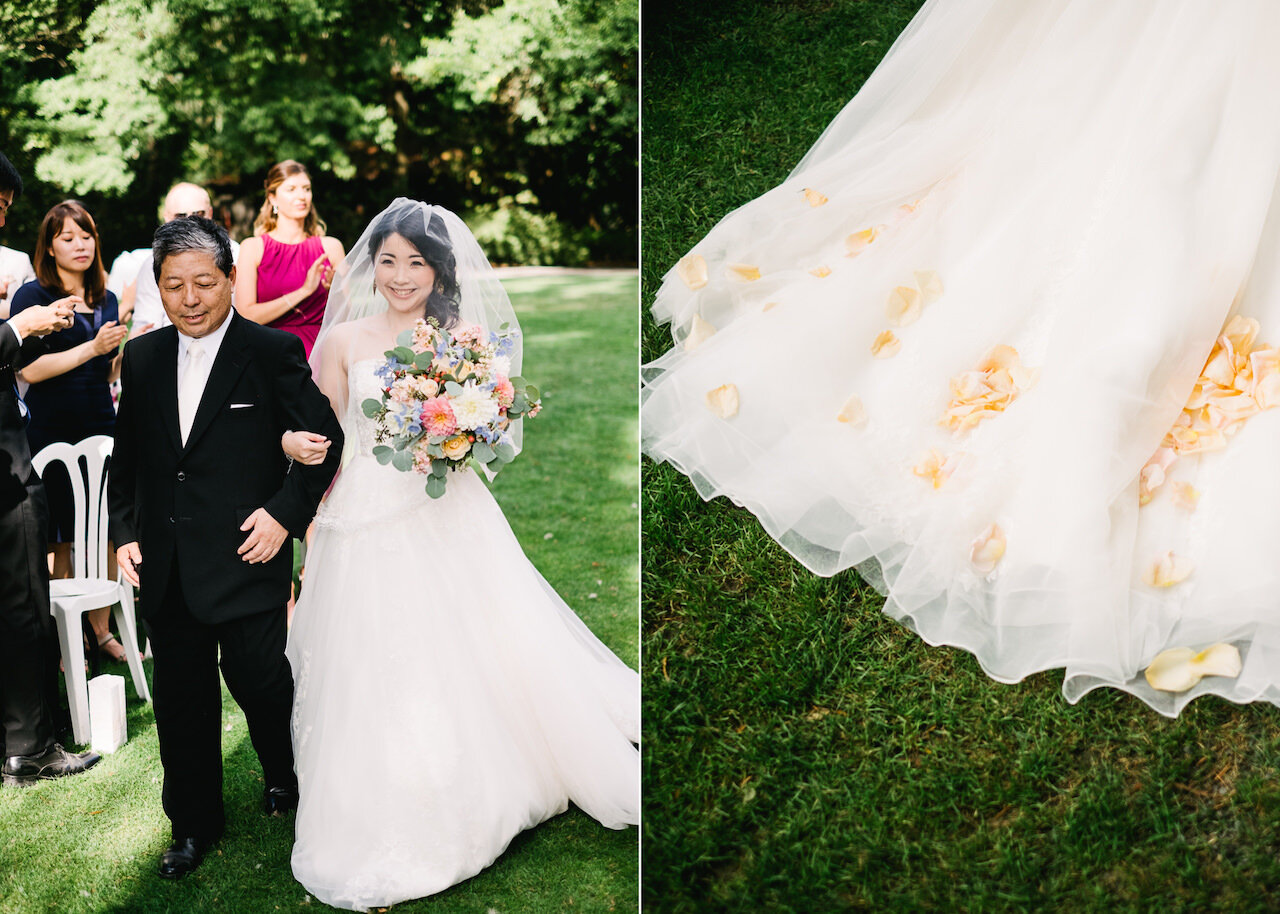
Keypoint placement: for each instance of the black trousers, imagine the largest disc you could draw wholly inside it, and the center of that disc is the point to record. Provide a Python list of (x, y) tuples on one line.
[(30, 710), (188, 704)]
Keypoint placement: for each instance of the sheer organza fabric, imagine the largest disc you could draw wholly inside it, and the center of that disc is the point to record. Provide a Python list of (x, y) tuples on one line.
[(1093, 184)]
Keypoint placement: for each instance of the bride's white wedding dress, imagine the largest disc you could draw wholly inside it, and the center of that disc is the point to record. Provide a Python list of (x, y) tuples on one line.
[(1001, 341), (446, 697)]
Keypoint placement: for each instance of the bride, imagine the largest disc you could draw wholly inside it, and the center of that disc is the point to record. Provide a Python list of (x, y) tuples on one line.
[(1005, 341), (446, 697)]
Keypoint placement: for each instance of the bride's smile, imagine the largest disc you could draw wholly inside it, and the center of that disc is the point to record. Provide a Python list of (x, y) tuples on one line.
[(403, 275)]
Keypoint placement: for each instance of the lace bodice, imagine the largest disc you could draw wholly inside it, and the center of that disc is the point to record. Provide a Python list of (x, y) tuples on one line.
[(363, 384)]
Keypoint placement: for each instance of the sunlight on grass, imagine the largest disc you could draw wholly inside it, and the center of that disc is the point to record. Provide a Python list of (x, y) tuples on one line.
[(91, 843)]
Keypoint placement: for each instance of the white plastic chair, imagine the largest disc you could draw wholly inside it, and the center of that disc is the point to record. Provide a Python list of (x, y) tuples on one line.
[(90, 588)]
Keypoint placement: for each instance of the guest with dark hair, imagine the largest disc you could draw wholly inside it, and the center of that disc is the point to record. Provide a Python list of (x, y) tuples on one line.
[(286, 268), (70, 394), (28, 640)]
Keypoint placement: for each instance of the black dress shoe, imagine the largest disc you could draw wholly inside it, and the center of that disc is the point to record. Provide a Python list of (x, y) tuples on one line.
[(276, 801), (54, 762), (183, 856)]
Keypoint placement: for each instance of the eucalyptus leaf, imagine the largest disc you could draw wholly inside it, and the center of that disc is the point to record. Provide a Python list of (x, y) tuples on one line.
[(404, 338), (434, 450), (453, 388), (403, 354), (531, 392), (439, 468), (505, 451), (371, 407), (423, 359), (482, 452), (402, 461), (435, 486), (383, 453)]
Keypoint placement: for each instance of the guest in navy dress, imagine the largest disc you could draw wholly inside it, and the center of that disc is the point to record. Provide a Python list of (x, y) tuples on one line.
[(70, 394)]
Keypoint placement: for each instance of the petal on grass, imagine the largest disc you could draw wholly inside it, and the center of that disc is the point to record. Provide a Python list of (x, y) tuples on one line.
[(1180, 668)]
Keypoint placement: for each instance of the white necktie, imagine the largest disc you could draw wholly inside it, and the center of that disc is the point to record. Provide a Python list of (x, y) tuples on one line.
[(190, 388)]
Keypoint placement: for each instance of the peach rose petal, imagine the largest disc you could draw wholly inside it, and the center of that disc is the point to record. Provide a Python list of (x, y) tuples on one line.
[(856, 243), (936, 467), (743, 271), (699, 332), (988, 549), (1170, 570), (930, 285), (692, 270), (1180, 668), (886, 345), (769, 306), (904, 306), (1186, 496), (723, 401), (813, 198), (821, 272), (853, 412)]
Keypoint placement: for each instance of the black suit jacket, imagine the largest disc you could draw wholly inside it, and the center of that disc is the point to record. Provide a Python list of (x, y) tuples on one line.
[(15, 454), (186, 504)]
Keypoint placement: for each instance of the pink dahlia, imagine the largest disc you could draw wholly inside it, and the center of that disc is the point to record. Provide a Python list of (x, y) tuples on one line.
[(437, 417), (504, 391)]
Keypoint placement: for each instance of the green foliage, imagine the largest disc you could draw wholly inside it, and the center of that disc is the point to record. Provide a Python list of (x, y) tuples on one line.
[(118, 99)]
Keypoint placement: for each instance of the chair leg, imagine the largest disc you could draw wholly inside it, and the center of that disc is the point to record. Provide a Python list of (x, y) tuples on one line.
[(127, 623), (72, 642)]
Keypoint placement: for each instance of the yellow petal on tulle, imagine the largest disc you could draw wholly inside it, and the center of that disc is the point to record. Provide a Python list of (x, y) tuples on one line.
[(1179, 668), (988, 549), (885, 345), (930, 285), (1220, 369), (1152, 476), (769, 306), (853, 412), (821, 272), (1000, 356), (743, 271), (1185, 496), (936, 467), (813, 198), (855, 243), (1170, 570), (692, 269), (723, 401), (904, 306), (699, 332), (1024, 378), (1242, 331)]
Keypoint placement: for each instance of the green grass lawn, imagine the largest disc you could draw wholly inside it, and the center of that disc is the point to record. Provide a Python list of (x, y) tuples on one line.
[(91, 843), (804, 753)]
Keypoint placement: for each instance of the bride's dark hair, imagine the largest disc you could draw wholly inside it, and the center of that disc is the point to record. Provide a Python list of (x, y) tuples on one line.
[(432, 242)]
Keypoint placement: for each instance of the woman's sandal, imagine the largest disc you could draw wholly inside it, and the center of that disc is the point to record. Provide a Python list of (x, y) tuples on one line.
[(116, 653)]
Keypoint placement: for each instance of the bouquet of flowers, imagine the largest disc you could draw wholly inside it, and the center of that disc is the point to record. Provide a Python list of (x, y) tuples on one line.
[(447, 400)]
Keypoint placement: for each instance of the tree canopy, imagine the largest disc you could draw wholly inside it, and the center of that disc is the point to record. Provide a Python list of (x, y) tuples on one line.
[(522, 115)]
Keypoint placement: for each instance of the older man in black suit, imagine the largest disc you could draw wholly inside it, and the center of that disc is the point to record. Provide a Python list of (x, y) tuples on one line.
[(202, 500), (28, 639)]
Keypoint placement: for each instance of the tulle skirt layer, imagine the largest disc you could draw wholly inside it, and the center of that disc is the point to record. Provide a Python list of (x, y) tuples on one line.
[(446, 698), (951, 348)]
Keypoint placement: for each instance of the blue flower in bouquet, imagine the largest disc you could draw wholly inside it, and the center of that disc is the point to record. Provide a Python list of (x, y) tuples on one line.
[(402, 418)]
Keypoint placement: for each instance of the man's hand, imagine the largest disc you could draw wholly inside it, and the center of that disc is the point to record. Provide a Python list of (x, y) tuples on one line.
[(306, 448), (128, 557), (45, 319), (265, 538)]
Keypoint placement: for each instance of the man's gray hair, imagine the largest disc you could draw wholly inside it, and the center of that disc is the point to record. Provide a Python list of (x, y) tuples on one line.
[(191, 233)]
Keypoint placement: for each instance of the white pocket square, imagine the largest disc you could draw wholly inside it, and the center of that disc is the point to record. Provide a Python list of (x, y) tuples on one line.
[(241, 405)]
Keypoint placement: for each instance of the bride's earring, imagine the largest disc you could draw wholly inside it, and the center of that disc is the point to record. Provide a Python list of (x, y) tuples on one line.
[(275, 210)]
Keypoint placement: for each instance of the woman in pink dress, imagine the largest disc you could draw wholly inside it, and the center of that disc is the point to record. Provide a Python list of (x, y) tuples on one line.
[(284, 270)]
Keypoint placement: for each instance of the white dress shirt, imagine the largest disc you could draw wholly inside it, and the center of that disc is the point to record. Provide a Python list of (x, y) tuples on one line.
[(210, 343), (16, 267)]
